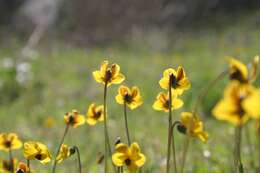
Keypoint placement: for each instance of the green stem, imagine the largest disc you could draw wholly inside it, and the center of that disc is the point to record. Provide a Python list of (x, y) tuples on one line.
[(237, 152), (250, 147), (105, 127), (79, 161), (184, 154), (126, 125), (205, 91), (11, 161), (173, 145), (58, 150), (169, 127), (28, 165)]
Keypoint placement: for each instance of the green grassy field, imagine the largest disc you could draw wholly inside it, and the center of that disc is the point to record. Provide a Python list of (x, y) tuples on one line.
[(62, 80)]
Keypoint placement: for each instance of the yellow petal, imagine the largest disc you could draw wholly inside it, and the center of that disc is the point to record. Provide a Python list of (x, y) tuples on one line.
[(252, 104), (119, 158), (79, 120), (117, 79), (98, 76), (141, 160), (91, 121), (176, 103)]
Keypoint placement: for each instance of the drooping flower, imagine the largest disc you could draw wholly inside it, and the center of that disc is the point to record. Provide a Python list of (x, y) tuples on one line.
[(179, 80), (36, 151), (9, 141), (94, 114), (162, 102), (23, 168), (6, 166), (74, 119), (238, 71), (131, 97), (192, 126), (65, 152), (128, 156), (108, 74), (231, 108)]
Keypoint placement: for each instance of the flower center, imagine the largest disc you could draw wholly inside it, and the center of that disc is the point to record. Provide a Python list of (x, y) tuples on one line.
[(20, 171), (128, 162), (39, 156), (8, 143), (174, 81), (237, 75), (71, 119), (108, 75), (97, 114), (166, 104), (128, 98)]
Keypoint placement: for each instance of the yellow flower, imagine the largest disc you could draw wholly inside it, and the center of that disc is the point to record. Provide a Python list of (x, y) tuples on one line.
[(192, 126), (9, 141), (252, 104), (179, 80), (238, 71), (36, 151), (23, 168), (231, 108), (5, 166), (162, 102), (108, 74), (129, 156), (95, 114), (74, 119), (131, 97), (64, 153)]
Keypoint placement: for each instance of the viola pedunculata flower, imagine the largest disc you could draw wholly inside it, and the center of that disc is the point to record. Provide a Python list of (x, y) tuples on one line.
[(74, 119), (162, 102), (108, 74), (36, 151), (128, 156), (179, 80), (95, 114), (9, 141), (232, 107), (192, 126), (129, 96)]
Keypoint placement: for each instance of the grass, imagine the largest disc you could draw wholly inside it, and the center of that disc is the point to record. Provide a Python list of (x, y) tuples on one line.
[(62, 80)]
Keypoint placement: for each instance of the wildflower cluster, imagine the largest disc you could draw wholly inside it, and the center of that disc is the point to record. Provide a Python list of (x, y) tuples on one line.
[(239, 104)]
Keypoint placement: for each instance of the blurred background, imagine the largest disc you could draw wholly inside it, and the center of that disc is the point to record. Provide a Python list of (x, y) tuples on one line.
[(49, 48)]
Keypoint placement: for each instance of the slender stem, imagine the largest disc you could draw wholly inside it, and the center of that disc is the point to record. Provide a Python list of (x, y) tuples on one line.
[(126, 124), (250, 147), (200, 99), (237, 151), (184, 154), (58, 150), (28, 165), (205, 91), (169, 128), (107, 142), (79, 161), (258, 144), (173, 145), (105, 127), (11, 161)]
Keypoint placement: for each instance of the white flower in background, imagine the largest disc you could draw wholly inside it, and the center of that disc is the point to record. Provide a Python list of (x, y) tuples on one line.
[(8, 62), (24, 74), (206, 153)]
